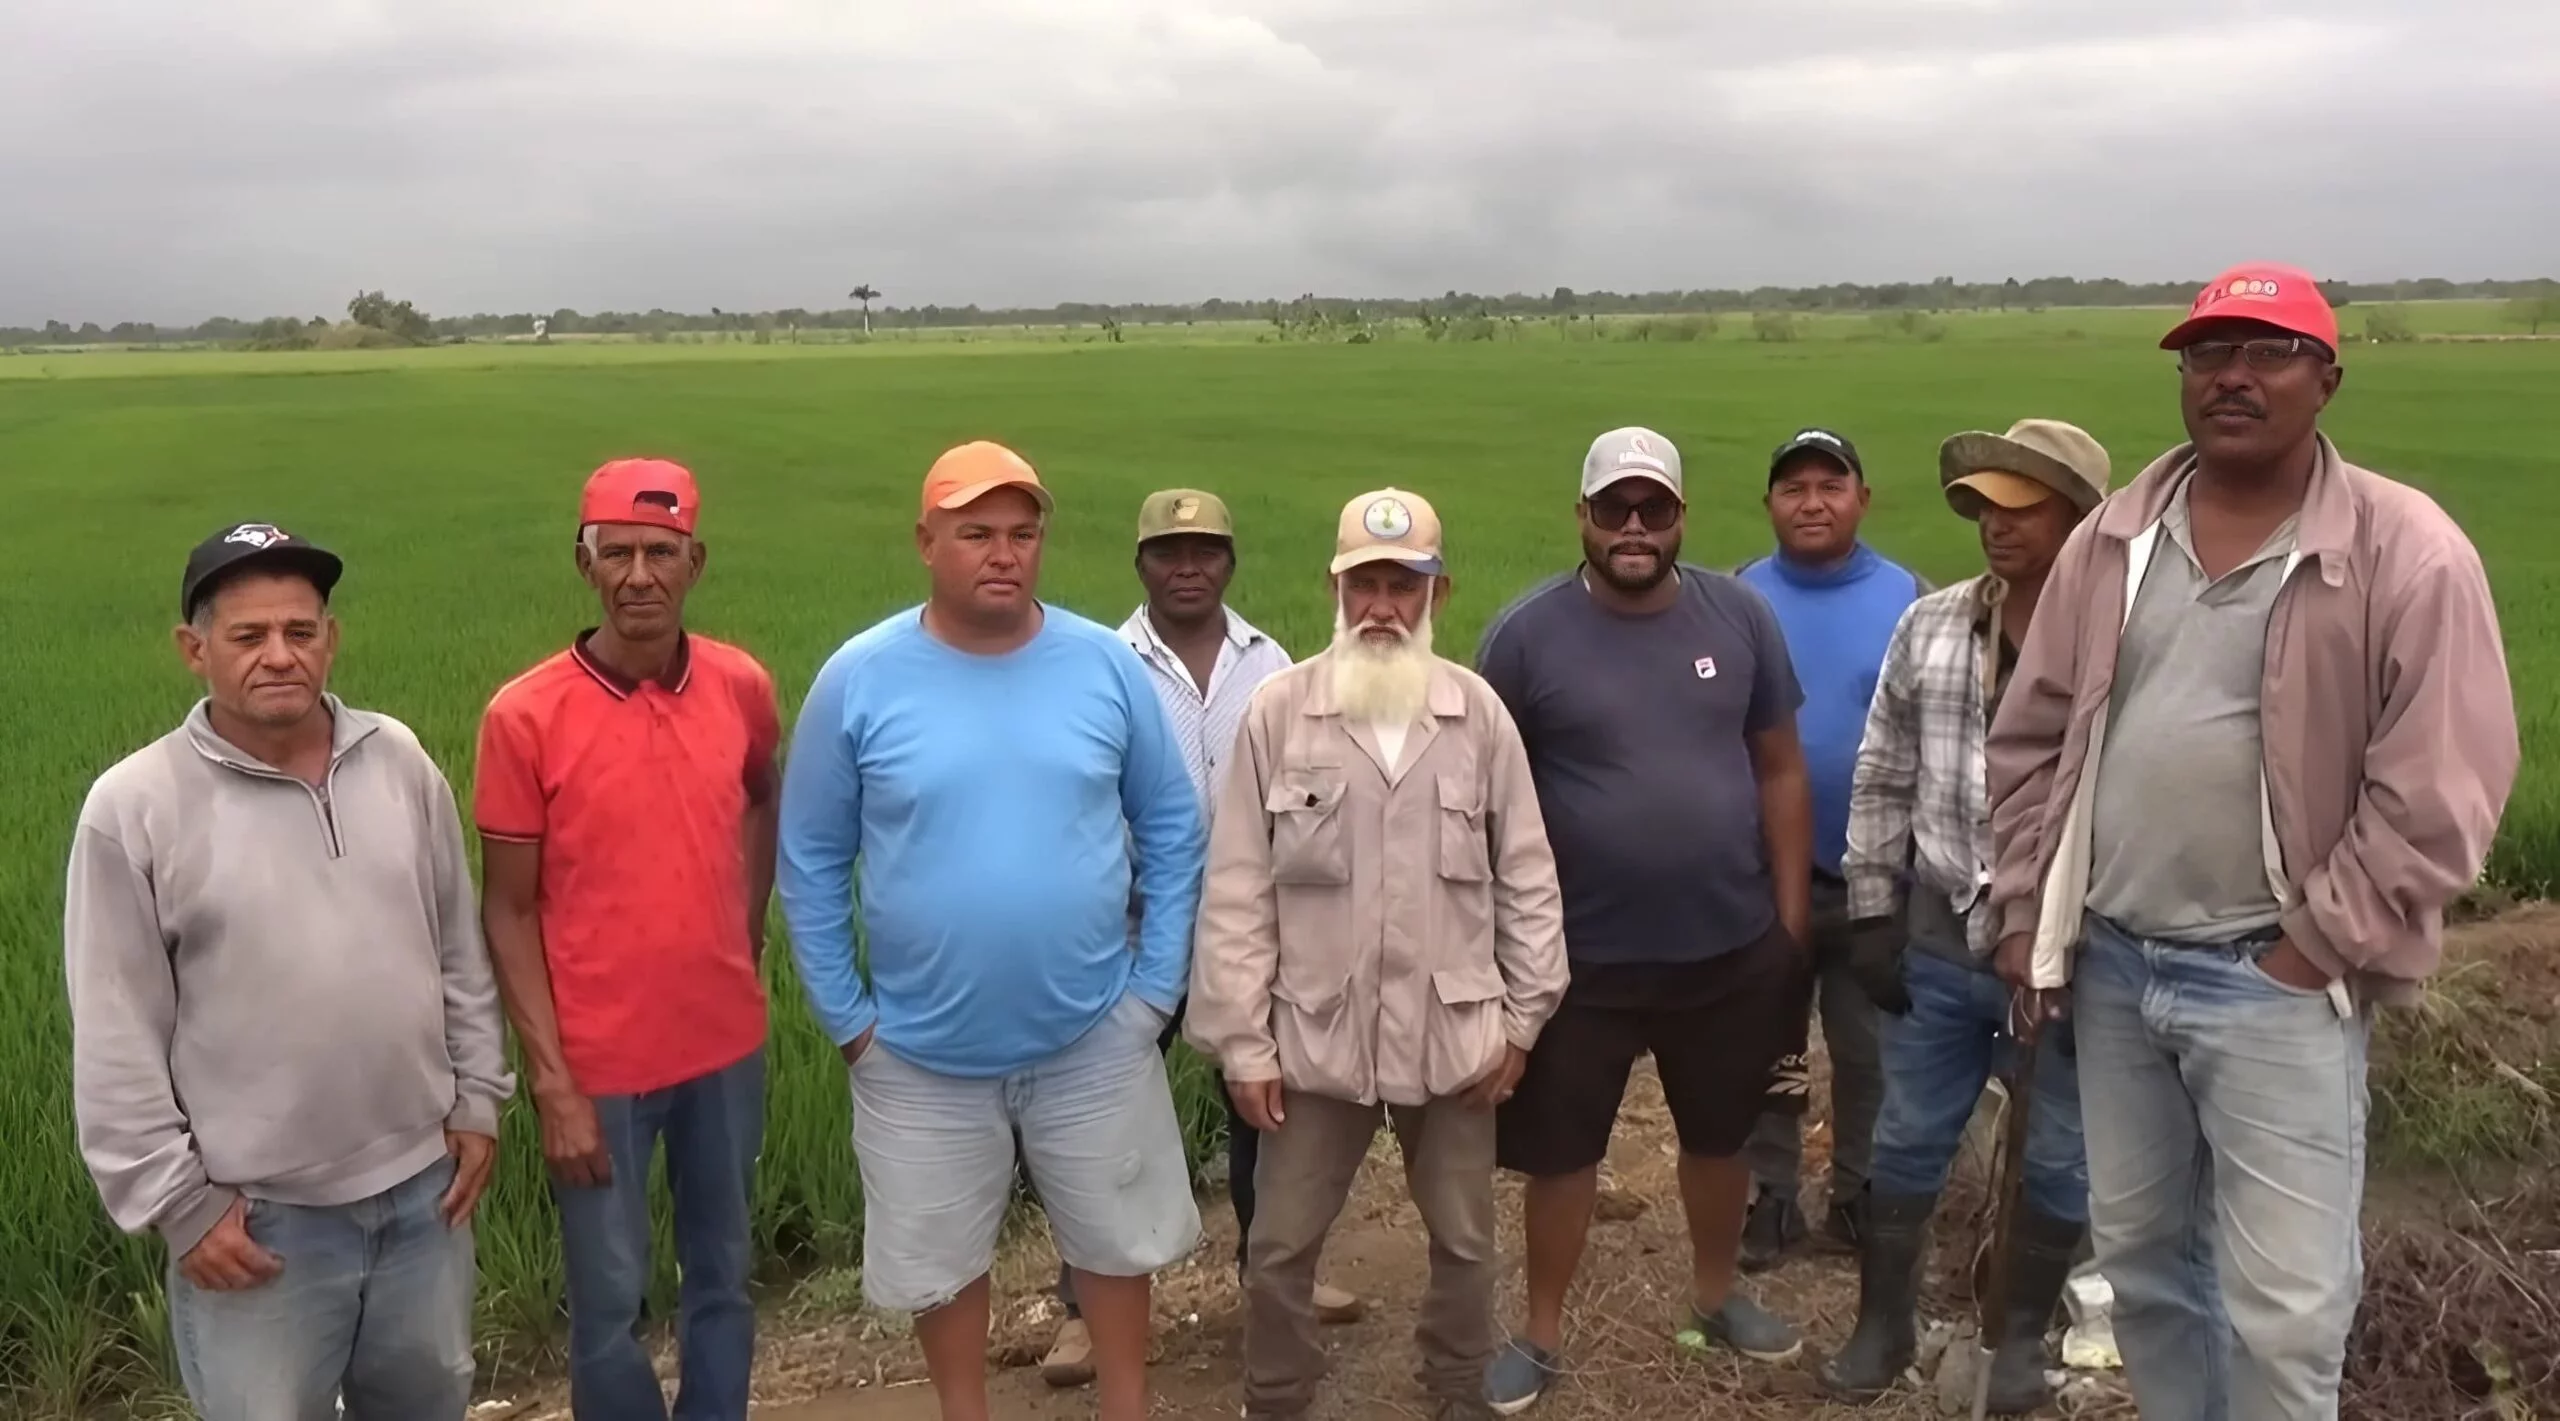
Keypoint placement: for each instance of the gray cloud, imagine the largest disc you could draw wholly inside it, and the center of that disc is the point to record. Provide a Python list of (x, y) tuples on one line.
[(170, 160)]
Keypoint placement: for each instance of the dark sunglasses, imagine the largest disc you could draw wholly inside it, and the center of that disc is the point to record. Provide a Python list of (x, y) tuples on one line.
[(1609, 511), (2272, 353)]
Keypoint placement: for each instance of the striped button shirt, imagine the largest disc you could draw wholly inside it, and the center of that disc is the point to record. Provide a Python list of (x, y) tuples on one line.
[(1205, 723), (1919, 795)]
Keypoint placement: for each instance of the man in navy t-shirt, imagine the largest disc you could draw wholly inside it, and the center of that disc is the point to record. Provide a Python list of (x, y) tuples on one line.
[(1658, 707), (1838, 602)]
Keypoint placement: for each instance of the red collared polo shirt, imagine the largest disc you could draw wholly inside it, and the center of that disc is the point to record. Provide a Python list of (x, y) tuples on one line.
[(637, 793)]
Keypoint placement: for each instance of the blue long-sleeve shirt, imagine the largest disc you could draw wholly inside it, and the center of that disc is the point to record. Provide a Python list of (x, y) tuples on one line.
[(1838, 621), (985, 817)]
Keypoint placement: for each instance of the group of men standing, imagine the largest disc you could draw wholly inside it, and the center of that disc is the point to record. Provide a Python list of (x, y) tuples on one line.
[(1668, 811)]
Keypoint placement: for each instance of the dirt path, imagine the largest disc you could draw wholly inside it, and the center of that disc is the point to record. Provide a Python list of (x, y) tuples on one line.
[(823, 1359), (1624, 1366)]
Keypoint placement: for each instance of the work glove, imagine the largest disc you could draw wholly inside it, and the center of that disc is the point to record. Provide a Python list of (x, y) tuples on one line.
[(1875, 961)]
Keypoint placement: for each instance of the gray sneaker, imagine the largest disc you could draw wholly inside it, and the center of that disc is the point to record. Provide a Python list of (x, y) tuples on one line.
[(1745, 1327), (1518, 1376)]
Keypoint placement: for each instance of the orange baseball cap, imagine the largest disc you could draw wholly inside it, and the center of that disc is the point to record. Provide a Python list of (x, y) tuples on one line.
[(655, 493), (970, 472), (2284, 297)]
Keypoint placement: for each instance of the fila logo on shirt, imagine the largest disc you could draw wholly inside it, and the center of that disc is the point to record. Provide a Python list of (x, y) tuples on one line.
[(1706, 668)]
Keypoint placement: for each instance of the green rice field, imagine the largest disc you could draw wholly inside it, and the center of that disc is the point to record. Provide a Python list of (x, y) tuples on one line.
[(449, 477)]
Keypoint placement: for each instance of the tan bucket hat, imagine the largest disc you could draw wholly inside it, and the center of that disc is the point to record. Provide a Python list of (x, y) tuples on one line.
[(2037, 459)]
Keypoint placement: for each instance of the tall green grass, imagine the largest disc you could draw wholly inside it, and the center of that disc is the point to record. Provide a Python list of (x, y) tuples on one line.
[(449, 480)]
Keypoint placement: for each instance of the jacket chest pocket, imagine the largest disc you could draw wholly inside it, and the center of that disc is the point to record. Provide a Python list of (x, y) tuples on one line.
[(1309, 844), (1465, 855)]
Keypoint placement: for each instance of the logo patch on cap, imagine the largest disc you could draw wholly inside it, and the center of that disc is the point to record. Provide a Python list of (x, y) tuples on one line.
[(1186, 510), (1387, 518), (1819, 436), (261, 536)]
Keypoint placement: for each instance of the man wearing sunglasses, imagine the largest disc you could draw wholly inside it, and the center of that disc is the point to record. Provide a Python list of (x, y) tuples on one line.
[(1837, 600), (2259, 735), (1658, 706)]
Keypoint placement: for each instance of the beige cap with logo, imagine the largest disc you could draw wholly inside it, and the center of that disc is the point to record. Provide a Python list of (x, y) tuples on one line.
[(1168, 512), (1389, 525)]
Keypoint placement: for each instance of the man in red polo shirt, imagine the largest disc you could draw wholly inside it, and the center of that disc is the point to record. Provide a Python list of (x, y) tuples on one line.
[(626, 801)]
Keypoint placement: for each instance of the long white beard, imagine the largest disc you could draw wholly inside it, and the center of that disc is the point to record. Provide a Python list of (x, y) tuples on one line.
[(1381, 682)]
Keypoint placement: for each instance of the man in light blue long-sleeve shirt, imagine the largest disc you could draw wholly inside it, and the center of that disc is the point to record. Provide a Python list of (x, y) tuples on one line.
[(982, 782)]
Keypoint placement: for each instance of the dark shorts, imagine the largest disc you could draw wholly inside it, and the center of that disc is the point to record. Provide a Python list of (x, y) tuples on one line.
[(1715, 1029)]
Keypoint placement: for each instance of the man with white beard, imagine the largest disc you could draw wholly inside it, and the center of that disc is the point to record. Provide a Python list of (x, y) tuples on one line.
[(1379, 931)]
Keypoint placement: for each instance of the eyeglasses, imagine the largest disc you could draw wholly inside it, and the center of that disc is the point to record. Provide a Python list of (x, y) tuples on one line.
[(1609, 511), (2272, 353)]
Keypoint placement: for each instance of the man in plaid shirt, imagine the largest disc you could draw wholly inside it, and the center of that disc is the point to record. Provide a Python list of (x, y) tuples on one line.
[(1920, 828)]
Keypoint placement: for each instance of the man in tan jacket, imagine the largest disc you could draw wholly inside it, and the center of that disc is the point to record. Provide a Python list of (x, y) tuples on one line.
[(2259, 735), (1379, 927)]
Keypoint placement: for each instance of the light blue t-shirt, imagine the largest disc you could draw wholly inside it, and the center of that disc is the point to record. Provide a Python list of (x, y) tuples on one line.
[(985, 818), (1838, 622)]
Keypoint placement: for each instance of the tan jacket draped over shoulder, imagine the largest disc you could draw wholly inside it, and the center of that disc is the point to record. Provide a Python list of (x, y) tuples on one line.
[(1374, 937)]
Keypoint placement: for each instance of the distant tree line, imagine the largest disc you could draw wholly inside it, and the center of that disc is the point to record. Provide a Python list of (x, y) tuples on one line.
[(373, 319)]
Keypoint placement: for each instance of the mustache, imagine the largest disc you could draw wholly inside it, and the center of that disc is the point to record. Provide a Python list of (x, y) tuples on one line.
[(1631, 547), (2237, 403)]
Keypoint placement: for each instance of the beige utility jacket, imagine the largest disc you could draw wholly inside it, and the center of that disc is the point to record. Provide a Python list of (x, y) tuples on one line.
[(1374, 937)]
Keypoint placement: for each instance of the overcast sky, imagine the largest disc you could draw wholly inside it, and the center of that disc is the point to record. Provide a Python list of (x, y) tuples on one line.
[(173, 159)]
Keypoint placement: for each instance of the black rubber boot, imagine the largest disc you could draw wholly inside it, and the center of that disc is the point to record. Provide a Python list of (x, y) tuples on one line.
[(1895, 1236), (1774, 1225), (2041, 1256)]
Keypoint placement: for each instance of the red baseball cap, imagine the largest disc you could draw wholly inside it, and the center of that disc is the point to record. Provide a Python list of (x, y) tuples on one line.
[(2281, 296), (970, 472), (654, 493)]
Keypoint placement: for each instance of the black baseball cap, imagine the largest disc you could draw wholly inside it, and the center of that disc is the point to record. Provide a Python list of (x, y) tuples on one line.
[(242, 546), (1817, 441)]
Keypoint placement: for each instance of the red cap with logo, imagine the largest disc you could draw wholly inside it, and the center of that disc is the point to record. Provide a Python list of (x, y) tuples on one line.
[(654, 493), (2281, 296)]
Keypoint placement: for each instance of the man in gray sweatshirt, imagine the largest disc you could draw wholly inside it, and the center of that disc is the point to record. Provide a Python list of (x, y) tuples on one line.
[(287, 1056)]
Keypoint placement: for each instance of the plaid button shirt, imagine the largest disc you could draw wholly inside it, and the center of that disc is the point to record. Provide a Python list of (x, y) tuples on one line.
[(1918, 797)]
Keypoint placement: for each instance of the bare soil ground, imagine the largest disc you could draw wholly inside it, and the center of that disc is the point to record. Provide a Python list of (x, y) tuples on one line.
[(2463, 1282), (861, 1367)]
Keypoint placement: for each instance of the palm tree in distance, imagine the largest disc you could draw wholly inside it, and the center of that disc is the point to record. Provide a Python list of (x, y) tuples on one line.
[(866, 294)]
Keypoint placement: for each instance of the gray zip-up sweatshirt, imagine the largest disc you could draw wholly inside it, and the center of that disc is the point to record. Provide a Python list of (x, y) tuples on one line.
[(276, 990)]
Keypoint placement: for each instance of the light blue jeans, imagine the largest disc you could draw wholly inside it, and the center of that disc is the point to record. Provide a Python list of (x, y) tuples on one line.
[(2225, 1114), (374, 1304), (1937, 1058), (713, 1125)]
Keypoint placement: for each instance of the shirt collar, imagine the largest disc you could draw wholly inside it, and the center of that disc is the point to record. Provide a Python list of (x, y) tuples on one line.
[(679, 671), (1141, 634)]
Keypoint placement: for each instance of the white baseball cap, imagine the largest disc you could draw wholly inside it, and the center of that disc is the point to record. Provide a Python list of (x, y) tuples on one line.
[(1631, 453)]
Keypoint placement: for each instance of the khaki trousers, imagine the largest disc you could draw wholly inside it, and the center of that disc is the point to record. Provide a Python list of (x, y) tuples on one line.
[(1307, 1169)]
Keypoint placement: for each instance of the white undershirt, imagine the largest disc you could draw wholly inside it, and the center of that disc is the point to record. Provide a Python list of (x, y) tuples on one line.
[(1390, 740)]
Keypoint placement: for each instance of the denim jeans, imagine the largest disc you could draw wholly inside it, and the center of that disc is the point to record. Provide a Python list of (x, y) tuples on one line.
[(1936, 1060), (2226, 1121), (713, 1126), (373, 1306)]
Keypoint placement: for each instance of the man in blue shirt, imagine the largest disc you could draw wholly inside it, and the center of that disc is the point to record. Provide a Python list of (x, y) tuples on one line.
[(1838, 601), (984, 780)]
